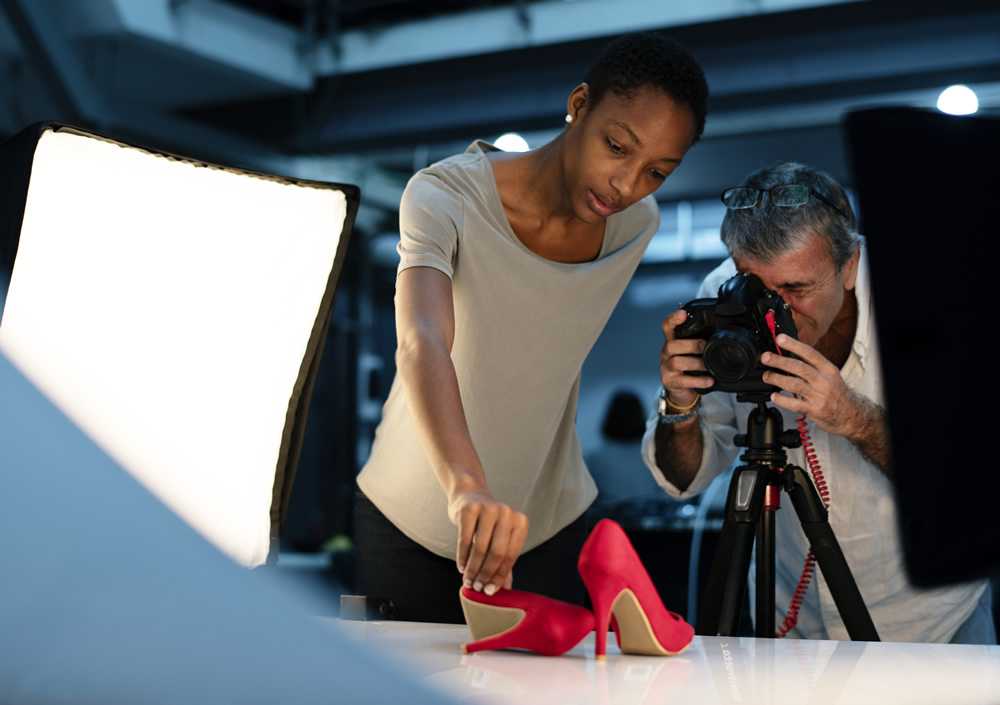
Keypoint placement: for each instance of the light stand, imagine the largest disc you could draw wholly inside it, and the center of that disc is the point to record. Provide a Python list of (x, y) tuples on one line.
[(754, 497)]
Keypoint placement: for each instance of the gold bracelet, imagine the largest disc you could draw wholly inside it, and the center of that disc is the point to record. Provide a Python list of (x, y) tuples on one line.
[(697, 398)]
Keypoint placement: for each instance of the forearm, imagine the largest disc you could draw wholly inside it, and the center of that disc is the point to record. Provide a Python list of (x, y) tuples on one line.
[(490, 533), (433, 397), (425, 332), (870, 434), (678, 451)]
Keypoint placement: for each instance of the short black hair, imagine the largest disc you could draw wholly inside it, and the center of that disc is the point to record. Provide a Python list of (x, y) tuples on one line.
[(649, 60)]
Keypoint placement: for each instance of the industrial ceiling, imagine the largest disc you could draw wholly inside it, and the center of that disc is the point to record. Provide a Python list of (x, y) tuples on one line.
[(366, 92)]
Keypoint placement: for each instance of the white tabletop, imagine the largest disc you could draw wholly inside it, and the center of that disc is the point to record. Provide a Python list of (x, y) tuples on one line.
[(711, 670)]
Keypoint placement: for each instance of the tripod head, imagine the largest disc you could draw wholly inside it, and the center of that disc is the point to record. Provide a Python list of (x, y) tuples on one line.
[(765, 439)]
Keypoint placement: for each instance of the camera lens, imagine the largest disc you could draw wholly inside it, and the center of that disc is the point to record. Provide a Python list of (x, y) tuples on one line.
[(730, 355)]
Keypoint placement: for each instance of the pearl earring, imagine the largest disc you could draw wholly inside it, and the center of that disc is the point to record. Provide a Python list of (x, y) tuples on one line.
[(569, 119)]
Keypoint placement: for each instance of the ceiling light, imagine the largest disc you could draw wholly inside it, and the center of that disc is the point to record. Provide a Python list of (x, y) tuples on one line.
[(511, 142), (958, 100)]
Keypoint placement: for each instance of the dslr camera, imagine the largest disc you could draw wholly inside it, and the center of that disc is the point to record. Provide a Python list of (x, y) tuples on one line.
[(736, 328)]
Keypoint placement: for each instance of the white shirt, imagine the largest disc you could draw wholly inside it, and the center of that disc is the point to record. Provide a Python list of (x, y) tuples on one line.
[(862, 507)]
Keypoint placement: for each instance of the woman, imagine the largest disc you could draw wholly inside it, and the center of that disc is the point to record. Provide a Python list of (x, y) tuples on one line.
[(510, 265)]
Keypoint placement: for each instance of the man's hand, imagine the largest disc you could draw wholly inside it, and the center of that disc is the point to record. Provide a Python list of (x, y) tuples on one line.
[(680, 355), (678, 446), (490, 537), (824, 397)]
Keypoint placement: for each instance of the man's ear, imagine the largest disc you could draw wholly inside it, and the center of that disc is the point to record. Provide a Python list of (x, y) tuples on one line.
[(849, 274)]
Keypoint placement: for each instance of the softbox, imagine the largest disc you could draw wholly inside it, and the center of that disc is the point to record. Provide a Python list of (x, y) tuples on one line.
[(176, 311), (927, 188)]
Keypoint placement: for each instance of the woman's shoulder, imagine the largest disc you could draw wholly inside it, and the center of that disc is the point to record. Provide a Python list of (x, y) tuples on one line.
[(469, 166), (457, 178)]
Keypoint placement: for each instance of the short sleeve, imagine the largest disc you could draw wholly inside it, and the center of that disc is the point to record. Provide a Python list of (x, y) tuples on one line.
[(430, 214)]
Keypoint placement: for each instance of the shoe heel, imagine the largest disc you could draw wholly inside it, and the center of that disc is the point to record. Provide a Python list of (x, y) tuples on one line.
[(491, 627), (512, 619), (620, 587), (603, 595)]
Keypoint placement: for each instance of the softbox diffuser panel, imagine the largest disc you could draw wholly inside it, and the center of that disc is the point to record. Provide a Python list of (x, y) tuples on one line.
[(174, 310), (927, 189)]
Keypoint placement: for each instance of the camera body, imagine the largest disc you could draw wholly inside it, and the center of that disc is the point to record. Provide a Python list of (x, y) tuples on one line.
[(737, 333)]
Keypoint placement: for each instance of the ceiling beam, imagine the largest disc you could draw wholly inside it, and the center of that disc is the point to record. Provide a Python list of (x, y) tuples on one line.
[(525, 25), (42, 40), (210, 30), (78, 102), (810, 75)]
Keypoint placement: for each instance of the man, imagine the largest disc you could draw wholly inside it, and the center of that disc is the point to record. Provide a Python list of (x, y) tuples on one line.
[(792, 226)]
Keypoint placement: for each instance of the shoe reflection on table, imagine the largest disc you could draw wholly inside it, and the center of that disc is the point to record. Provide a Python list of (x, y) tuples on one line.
[(507, 675), (641, 680), (571, 678)]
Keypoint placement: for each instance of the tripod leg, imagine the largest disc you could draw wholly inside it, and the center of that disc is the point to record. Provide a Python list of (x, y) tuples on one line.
[(764, 623), (727, 582), (816, 526)]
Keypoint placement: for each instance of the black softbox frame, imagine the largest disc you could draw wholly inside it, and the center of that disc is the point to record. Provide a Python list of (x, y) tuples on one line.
[(17, 158), (927, 190)]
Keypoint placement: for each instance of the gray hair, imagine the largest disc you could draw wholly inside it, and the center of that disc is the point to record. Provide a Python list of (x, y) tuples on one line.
[(767, 232)]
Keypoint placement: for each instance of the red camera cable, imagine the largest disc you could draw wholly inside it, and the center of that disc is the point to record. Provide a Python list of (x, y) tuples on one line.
[(792, 618)]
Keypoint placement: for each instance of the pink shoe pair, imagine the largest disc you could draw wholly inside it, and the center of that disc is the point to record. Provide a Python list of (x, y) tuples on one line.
[(620, 590)]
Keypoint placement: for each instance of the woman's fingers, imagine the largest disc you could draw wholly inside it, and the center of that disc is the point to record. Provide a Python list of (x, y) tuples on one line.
[(490, 537)]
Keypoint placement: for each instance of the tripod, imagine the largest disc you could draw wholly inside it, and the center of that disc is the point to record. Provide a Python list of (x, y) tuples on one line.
[(754, 497)]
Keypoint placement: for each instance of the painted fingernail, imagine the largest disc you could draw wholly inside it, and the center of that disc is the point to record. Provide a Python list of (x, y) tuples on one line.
[(490, 589), (477, 586), (461, 569), (467, 583)]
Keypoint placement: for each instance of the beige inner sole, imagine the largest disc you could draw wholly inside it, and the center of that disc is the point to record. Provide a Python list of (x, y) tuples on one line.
[(489, 620), (634, 628)]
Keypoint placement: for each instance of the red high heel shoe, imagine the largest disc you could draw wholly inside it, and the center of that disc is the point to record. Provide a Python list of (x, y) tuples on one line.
[(513, 619), (619, 585)]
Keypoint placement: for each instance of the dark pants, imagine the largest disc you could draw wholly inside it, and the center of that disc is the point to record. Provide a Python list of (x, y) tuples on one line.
[(424, 586)]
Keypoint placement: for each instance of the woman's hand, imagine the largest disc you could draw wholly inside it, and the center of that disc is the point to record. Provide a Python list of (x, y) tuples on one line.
[(490, 537)]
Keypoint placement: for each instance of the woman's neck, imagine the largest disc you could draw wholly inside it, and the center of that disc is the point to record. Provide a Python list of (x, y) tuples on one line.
[(539, 209)]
